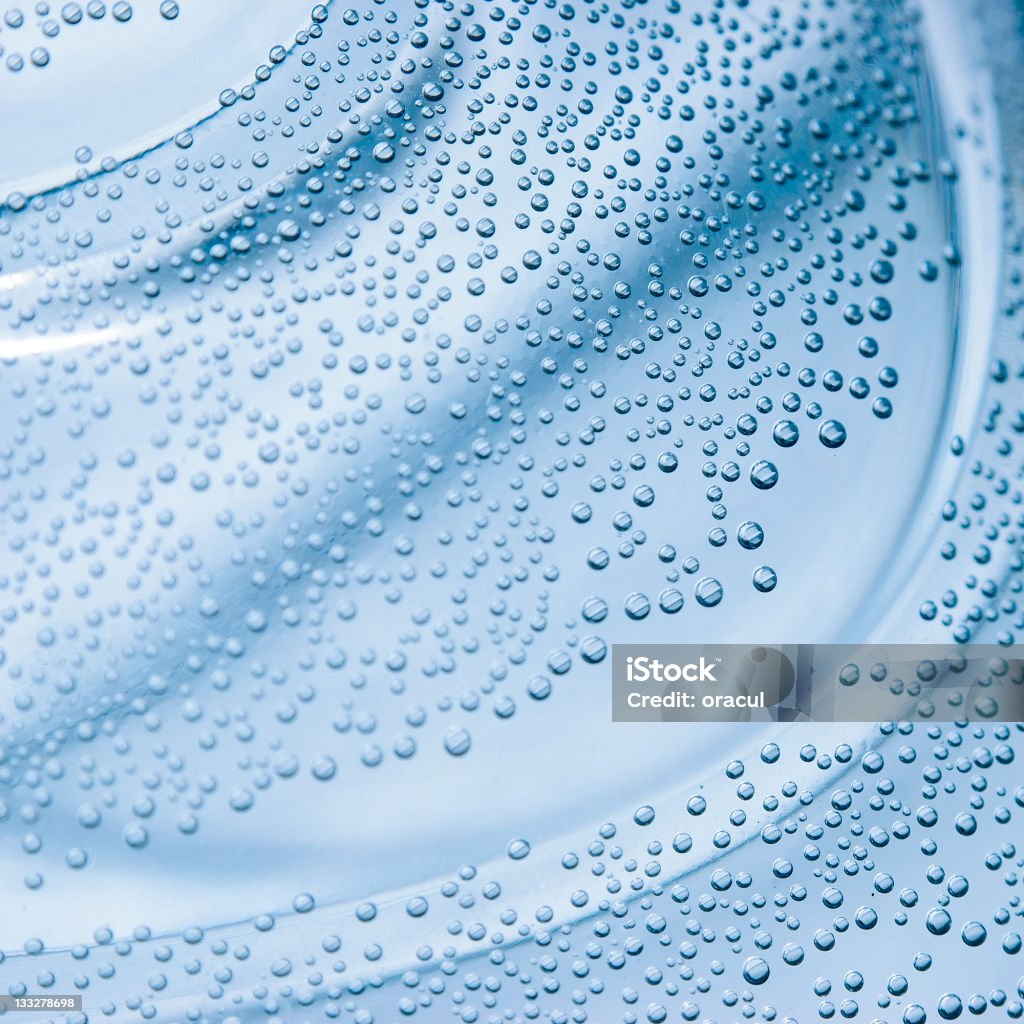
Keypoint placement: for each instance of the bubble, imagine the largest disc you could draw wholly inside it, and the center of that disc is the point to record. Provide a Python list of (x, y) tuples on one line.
[(785, 433), (457, 741), (950, 1006), (135, 836), (764, 475), (750, 535), (643, 496), (966, 824), (323, 768), (756, 970), (417, 906), (682, 842), (708, 591), (76, 858), (644, 815), (518, 849), (303, 903), (832, 434)]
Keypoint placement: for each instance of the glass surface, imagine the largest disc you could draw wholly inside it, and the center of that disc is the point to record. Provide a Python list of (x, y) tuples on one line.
[(366, 373)]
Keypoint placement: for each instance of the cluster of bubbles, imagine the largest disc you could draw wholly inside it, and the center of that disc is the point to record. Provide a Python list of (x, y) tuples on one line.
[(659, 343), (461, 342), (51, 19), (847, 900)]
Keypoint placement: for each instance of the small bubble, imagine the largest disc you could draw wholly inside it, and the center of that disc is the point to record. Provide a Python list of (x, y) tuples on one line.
[(756, 970), (518, 849), (456, 741), (832, 434), (764, 475), (708, 591)]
